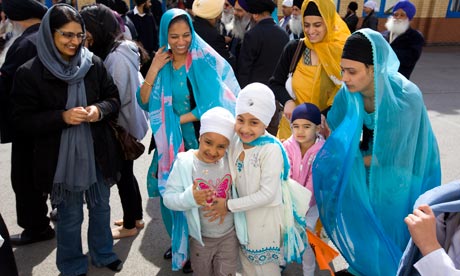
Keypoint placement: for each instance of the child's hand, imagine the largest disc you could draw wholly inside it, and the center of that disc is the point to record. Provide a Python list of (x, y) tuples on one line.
[(201, 196), (218, 209), (422, 227)]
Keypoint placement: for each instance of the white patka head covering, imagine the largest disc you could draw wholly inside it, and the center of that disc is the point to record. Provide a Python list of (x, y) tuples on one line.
[(218, 120), (287, 3), (258, 100)]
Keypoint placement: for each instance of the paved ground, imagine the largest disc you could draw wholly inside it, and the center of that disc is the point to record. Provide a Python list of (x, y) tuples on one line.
[(437, 76)]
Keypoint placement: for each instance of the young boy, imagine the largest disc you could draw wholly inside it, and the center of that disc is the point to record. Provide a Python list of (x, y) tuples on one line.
[(197, 178), (301, 148)]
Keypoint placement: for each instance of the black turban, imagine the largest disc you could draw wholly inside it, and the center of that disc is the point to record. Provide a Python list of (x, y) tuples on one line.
[(260, 6), (353, 6), (19, 10), (242, 3), (297, 3), (358, 48)]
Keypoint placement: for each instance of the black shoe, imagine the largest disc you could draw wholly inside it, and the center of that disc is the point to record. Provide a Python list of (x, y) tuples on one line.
[(168, 254), (187, 268), (54, 215), (28, 238), (116, 265)]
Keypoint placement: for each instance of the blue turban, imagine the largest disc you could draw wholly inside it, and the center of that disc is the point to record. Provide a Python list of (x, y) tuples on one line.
[(407, 7)]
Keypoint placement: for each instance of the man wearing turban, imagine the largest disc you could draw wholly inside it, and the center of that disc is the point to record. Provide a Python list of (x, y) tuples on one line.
[(259, 52), (31, 206), (295, 23), (405, 41), (207, 14)]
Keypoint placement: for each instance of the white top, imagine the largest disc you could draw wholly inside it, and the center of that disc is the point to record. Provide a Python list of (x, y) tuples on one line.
[(446, 260), (136, 11), (257, 179), (437, 263)]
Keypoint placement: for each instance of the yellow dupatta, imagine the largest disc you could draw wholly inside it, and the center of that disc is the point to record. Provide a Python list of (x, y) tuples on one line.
[(329, 51), (327, 79)]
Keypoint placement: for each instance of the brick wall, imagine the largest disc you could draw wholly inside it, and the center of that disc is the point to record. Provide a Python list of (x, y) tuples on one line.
[(430, 19)]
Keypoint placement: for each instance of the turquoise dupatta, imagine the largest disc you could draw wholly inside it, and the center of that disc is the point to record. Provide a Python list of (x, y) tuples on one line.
[(214, 84), (296, 200), (363, 211)]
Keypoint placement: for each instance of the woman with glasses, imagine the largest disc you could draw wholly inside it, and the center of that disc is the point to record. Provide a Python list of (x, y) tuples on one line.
[(64, 99)]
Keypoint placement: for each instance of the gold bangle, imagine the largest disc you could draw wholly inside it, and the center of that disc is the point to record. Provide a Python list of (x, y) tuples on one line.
[(148, 83)]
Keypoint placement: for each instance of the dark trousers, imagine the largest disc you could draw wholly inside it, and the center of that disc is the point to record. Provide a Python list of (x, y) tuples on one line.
[(130, 196), (7, 261), (31, 207)]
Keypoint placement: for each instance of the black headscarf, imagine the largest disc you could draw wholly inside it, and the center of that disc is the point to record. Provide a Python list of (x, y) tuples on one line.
[(312, 9), (19, 10), (104, 28)]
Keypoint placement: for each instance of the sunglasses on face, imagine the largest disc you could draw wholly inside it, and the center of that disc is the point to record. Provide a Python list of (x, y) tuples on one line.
[(70, 35)]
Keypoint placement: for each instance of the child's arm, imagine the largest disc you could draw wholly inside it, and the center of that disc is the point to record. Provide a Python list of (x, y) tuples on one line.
[(271, 165), (178, 195)]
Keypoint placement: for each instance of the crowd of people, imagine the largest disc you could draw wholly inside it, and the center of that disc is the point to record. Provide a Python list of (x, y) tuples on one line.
[(262, 132)]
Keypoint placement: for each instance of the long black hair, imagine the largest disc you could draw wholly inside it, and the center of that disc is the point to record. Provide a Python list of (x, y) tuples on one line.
[(63, 14), (104, 28)]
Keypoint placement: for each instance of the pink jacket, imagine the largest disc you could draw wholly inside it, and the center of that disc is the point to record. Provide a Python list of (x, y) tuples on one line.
[(301, 168)]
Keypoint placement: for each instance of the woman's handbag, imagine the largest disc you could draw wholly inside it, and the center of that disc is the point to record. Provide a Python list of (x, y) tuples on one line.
[(131, 147), (288, 84)]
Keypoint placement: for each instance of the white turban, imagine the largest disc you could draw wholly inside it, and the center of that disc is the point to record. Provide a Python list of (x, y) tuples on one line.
[(287, 3), (258, 100), (371, 5), (218, 120)]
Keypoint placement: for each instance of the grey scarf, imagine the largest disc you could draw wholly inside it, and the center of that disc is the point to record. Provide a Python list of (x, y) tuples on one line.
[(76, 168)]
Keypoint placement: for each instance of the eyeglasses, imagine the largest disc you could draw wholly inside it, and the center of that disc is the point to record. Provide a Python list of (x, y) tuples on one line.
[(70, 35)]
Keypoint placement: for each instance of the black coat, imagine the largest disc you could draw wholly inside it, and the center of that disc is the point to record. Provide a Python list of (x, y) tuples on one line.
[(262, 46), (408, 47), (352, 21), (211, 35), (22, 49), (370, 21), (147, 31), (38, 101)]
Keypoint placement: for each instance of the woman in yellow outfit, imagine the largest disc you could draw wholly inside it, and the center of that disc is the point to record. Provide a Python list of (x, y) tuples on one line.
[(316, 72)]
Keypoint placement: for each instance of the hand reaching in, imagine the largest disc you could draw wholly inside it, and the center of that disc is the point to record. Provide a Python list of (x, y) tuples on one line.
[(422, 228)]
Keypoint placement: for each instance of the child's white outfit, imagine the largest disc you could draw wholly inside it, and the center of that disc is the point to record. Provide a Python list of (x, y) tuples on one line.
[(301, 171), (258, 184), (213, 246)]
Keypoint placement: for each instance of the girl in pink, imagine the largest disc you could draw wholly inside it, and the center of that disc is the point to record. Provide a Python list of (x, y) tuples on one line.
[(301, 148)]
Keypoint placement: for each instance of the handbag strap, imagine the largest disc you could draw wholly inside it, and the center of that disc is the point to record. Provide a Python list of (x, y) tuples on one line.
[(296, 56)]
